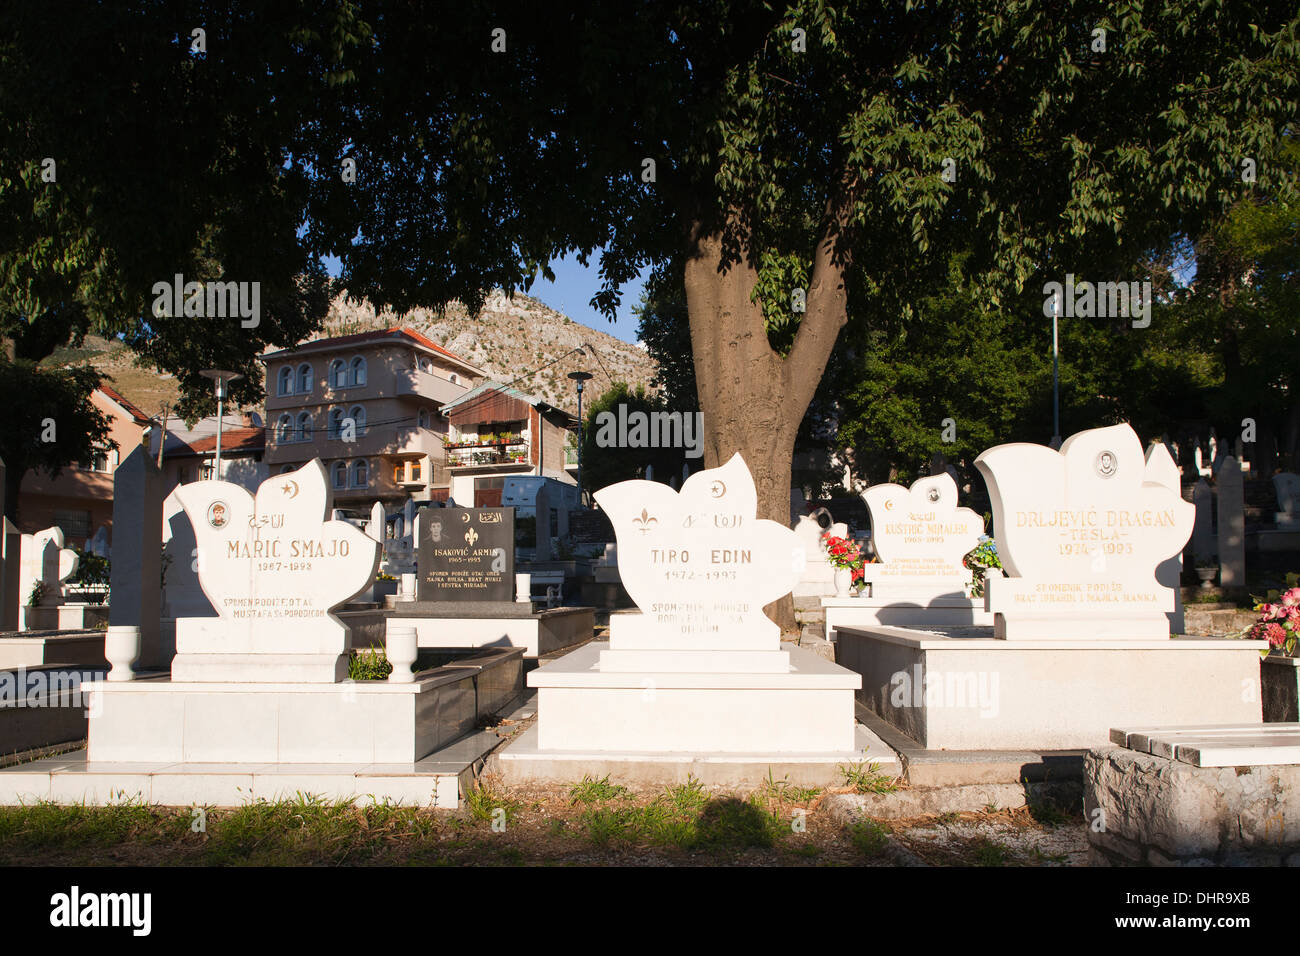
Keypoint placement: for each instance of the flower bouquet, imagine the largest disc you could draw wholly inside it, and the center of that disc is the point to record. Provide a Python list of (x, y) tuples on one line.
[(844, 554), (979, 560), (1279, 622)]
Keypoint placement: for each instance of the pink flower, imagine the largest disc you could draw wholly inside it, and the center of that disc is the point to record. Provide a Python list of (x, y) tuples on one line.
[(1292, 597), (1274, 633)]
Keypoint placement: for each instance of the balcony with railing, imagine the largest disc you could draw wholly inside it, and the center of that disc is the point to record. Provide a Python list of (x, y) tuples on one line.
[(512, 449), (418, 383)]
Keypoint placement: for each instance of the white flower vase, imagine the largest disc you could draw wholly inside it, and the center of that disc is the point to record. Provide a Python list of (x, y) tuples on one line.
[(523, 589), (843, 582), (401, 649), (122, 650), (407, 592)]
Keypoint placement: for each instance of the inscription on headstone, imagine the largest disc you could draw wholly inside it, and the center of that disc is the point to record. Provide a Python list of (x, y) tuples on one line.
[(467, 554)]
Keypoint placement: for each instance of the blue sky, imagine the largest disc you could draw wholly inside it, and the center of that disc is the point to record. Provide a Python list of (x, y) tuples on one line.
[(573, 288)]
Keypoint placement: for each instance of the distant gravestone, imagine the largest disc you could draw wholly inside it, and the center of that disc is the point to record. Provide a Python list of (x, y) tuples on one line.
[(468, 554), (1287, 486), (542, 519), (1232, 524), (98, 543), (44, 561), (818, 575), (135, 585), (921, 536), (1081, 532), (1203, 545), (1162, 470), (273, 567), (375, 526)]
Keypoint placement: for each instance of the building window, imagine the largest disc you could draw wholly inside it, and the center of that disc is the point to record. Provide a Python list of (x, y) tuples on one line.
[(286, 381), (100, 462), (285, 469), (415, 471), (208, 470), (340, 473), (426, 365), (358, 371), (338, 374), (453, 379), (304, 427), (304, 379), (360, 474), (424, 418), (284, 430), (358, 416), (336, 422), (73, 524)]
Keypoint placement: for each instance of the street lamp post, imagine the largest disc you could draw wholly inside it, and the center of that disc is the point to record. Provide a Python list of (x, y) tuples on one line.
[(579, 378), (220, 377)]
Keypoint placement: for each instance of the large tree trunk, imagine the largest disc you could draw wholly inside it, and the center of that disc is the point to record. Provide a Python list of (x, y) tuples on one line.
[(752, 399)]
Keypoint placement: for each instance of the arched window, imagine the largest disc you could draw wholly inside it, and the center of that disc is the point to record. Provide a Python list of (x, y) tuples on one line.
[(304, 426), (338, 374), (426, 365), (336, 422), (284, 430), (358, 416), (424, 418), (286, 381), (340, 474), (360, 474), (358, 371), (453, 378), (304, 379)]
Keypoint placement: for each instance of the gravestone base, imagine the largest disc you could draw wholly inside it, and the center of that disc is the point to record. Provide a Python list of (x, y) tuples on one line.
[(52, 648), (228, 722), (902, 609), (962, 689), (522, 762), (450, 624), (806, 709)]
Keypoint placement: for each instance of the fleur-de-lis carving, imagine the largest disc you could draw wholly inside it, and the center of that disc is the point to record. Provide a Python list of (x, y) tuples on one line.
[(471, 536), (645, 521)]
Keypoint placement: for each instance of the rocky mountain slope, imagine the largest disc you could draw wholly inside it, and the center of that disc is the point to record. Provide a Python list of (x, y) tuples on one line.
[(510, 339)]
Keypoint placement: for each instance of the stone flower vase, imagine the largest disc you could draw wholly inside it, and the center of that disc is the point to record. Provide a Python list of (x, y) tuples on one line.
[(122, 650), (401, 648), (843, 582)]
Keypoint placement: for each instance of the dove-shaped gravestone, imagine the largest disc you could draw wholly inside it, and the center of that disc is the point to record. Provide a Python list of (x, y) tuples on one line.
[(44, 559), (698, 562), (1081, 532), (921, 535), (273, 566)]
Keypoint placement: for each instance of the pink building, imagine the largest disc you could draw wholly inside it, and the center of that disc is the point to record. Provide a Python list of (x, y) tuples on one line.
[(368, 406)]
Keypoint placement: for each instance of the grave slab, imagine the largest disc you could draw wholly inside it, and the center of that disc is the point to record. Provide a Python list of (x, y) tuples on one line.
[(964, 689)]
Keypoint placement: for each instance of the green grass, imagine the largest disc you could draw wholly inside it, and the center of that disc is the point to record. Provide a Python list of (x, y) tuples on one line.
[(989, 852), (683, 816), (369, 664), (591, 790), (783, 791), (865, 777), (484, 801), (869, 837)]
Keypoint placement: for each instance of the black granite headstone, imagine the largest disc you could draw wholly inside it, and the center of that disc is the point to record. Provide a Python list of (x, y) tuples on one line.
[(466, 554)]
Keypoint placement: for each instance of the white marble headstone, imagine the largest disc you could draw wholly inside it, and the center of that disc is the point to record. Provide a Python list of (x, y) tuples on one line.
[(921, 536), (274, 567), (44, 558), (818, 577), (1287, 486), (1081, 533), (700, 565)]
